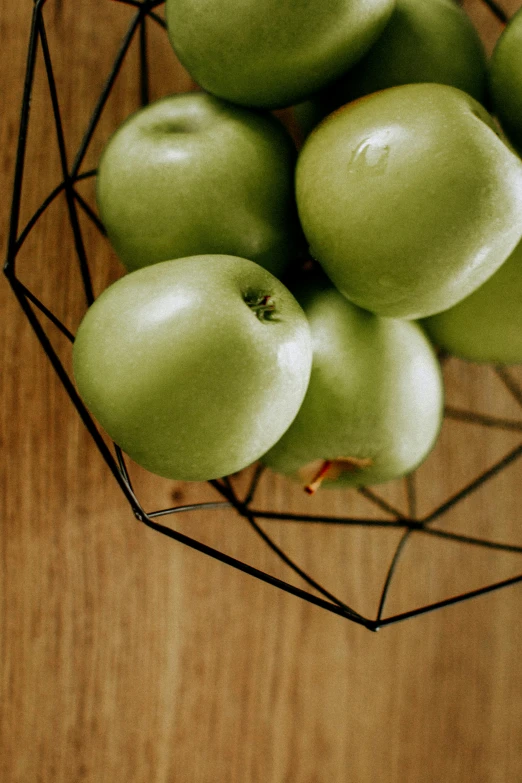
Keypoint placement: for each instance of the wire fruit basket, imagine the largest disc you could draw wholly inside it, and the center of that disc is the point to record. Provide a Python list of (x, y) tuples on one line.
[(241, 493)]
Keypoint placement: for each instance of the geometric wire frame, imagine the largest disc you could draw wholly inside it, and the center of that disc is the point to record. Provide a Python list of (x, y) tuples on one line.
[(410, 524)]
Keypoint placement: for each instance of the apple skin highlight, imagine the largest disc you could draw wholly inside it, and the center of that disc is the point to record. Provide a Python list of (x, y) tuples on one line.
[(424, 41), (409, 199)]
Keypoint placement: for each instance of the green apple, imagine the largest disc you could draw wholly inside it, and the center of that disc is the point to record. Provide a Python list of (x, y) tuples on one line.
[(409, 199), (270, 53), (196, 366), (506, 80), (191, 174), (374, 404), (487, 325), (424, 41)]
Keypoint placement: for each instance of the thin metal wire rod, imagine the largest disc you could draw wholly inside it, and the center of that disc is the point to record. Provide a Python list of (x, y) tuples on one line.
[(228, 483), (391, 571), (95, 116), (84, 175), (47, 202), (22, 143), (222, 489), (497, 10), (226, 489), (91, 214), (190, 507), (147, 5), (122, 466), (509, 383), (258, 472), (480, 418), (157, 19), (483, 542), (39, 212), (165, 511), (133, 3), (318, 518), (144, 66), (45, 310), (474, 485), (411, 492), (380, 502), (73, 215), (448, 601)]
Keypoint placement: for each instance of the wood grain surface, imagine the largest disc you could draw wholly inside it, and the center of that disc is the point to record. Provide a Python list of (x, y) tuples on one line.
[(129, 658)]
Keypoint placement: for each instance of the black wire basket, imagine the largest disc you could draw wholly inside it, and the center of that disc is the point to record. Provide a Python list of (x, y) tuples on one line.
[(49, 328)]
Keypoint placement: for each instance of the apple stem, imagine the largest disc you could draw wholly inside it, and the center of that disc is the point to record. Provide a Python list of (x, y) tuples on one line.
[(263, 307), (347, 464), (316, 482)]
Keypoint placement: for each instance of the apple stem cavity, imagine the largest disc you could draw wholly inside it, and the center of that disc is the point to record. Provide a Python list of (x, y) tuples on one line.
[(334, 468), (262, 306)]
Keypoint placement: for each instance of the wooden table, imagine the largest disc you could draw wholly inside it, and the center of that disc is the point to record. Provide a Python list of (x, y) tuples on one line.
[(128, 658)]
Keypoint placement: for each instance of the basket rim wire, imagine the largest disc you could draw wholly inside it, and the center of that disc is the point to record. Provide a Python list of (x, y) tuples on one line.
[(31, 305)]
